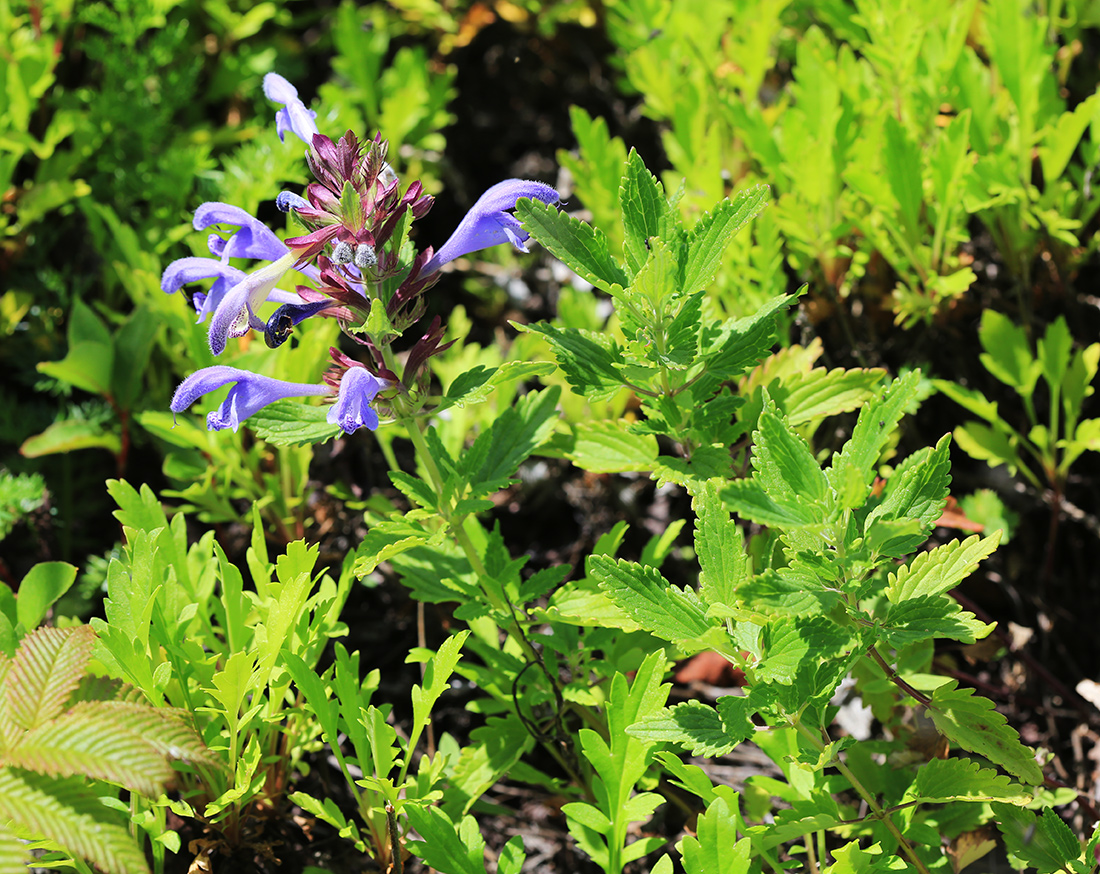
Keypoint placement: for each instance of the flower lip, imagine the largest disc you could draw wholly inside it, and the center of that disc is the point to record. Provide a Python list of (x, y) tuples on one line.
[(488, 223), (250, 393), (352, 410), (236, 312)]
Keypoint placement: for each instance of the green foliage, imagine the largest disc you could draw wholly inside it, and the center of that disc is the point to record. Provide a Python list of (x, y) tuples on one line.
[(1052, 443), (63, 740), (181, 627)]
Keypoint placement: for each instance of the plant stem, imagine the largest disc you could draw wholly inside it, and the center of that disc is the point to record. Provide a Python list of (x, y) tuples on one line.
[(893, 677), (876, 811)]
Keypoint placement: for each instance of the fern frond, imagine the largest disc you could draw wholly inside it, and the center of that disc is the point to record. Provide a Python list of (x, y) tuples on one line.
[(47, 668), (87, 741), (14, 857), (69, 813), (166, 730)]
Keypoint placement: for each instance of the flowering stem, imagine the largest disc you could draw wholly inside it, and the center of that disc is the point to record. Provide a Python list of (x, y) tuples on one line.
[(496, 599)]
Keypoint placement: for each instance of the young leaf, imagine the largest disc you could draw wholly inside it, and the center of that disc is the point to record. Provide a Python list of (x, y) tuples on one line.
[(935, 572), (588, 359), (715, 848), (723, 563), (448, 849), (874, 427), (607, 447), (642, 200), (714, 231), (783, 462)]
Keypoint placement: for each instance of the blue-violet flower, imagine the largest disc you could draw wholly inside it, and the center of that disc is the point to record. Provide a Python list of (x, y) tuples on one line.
[(250, 393)]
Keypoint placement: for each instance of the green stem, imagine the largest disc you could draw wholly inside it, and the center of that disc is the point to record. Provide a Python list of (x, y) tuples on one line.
[(876, 811)]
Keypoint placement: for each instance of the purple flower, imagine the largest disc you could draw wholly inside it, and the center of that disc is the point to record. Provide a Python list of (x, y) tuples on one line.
[(252, 239), (352, 409), (250, 393), (488, 223), (235, 313), (294, 117)]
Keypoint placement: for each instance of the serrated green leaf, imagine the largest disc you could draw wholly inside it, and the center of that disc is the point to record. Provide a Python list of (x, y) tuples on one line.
[(642, 201), (740, 344), (784, 465), (874, 428), (291, 423), (1043, 844), (972, 723), (902, 159), (497, 746), (579, 246), (918, 489), (791, 644), (607, 447), (932, 573), (822, 392), (927, 616), (587, 358), (513, 436), (475, 385), (693, 725), (662, 609), (710, 237), (723, 562), (748, 500), (940, 781)]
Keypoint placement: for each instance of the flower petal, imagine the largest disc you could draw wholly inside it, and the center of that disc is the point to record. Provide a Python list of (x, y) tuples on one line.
[(488, 224), (254, 239), (250, 393), (241, 301), (295, 117), (184, 271), (352, 410)]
